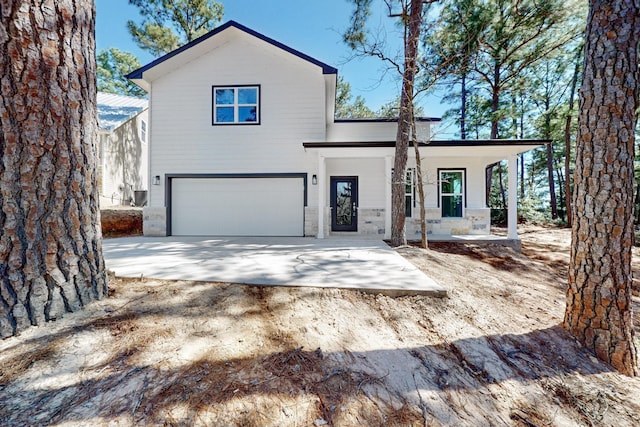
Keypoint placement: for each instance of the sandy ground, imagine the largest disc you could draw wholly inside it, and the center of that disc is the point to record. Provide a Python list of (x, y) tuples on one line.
[(185, 353)]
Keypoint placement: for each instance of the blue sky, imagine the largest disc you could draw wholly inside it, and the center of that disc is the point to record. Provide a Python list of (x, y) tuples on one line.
[(312, 27)]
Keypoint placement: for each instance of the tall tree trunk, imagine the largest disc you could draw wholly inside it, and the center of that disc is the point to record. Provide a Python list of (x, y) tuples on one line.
[(411, 39), (522, 182), (567, 135), (503, 193), (552, 182), (50, 246), (418, 181), (495, 102), (553, 200), (598, 311), (561, 185), (547, 135), (495, 105), (636, 203), (463, 106)]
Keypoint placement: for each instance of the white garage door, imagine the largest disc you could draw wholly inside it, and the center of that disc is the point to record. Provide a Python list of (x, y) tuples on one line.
[(237, 207)]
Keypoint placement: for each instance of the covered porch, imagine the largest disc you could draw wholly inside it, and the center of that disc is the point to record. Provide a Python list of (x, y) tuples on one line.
[(453, 180)]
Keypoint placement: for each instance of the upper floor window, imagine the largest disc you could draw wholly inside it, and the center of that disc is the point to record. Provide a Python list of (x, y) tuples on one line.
[(236, 105), (451, 186)]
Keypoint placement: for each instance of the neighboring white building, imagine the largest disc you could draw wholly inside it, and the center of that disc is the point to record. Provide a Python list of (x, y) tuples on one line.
[(243, 141), (123, 168)]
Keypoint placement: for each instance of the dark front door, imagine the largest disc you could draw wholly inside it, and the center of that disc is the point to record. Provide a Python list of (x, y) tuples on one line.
[(344, 203)]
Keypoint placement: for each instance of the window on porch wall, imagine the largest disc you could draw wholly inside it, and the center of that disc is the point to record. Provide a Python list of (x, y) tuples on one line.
[(409, 192), (451, 183)]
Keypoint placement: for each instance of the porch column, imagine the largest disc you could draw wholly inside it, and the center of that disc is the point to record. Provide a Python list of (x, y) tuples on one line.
[(322, 171), (388, 165), (512, 218)]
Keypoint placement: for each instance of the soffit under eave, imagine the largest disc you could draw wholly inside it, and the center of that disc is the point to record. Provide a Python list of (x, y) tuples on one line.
[(493, 153)]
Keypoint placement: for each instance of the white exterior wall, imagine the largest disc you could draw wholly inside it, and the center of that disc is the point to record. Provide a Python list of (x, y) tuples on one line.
[(292, 110), (124, 162), (368, 131), (371, 180), (476, 216), (474, 178)]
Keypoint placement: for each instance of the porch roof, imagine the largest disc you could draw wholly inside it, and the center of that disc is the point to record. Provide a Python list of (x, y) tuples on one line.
[(491, 149)]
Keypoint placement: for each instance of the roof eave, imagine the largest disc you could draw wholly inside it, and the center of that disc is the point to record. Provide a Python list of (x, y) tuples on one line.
[(384, 120), (432, 143), (137, 76)]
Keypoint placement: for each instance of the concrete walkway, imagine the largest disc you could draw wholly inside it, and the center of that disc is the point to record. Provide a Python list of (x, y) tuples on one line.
[(367, 265)]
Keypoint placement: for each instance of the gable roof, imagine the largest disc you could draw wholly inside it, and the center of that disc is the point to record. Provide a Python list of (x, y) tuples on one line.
[(114, 110), (138, 74)]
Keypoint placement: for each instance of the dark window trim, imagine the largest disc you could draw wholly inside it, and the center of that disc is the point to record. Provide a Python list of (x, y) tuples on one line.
[(233, 86), (413, 191), (168, 181), (464, 183), (413, 185)]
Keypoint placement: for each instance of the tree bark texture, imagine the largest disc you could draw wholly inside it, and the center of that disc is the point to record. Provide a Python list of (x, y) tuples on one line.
[(420, 184), (598, 311), (463, 106), (399, 176), (50, 243)]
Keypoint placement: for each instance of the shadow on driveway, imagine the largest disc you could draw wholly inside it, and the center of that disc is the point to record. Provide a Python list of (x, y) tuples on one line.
[(367, 265)]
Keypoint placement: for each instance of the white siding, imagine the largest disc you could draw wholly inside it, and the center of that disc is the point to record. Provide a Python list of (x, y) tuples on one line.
[(368, 131), (474, 178), (292, 110), (371, 179), (124, 162)]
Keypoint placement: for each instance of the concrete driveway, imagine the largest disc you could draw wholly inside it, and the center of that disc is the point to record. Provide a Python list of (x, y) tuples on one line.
[(368, 265)]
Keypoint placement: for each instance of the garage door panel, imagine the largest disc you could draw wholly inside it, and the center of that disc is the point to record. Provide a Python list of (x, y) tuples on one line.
[(237, 206)]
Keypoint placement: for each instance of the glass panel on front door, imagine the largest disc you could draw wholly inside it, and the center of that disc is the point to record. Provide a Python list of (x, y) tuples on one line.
[(344, 204)]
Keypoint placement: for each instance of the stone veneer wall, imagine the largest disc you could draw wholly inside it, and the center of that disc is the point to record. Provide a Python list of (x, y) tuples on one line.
[(154, 221), (310, 221), (475, 221), (371, 222)]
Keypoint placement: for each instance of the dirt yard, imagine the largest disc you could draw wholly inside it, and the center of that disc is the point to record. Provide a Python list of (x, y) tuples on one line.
[(184, 353), (119, 221)]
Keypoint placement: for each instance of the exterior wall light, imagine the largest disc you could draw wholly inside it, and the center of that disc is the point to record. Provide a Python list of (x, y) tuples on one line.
[(314, 179), (156, 180)]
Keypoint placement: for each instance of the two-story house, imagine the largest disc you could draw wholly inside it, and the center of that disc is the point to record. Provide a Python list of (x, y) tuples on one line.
[(243, 141)]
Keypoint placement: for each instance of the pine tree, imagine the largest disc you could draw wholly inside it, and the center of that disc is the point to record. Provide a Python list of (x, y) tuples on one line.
[(598, 311), (50, 245), (168, 24)]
